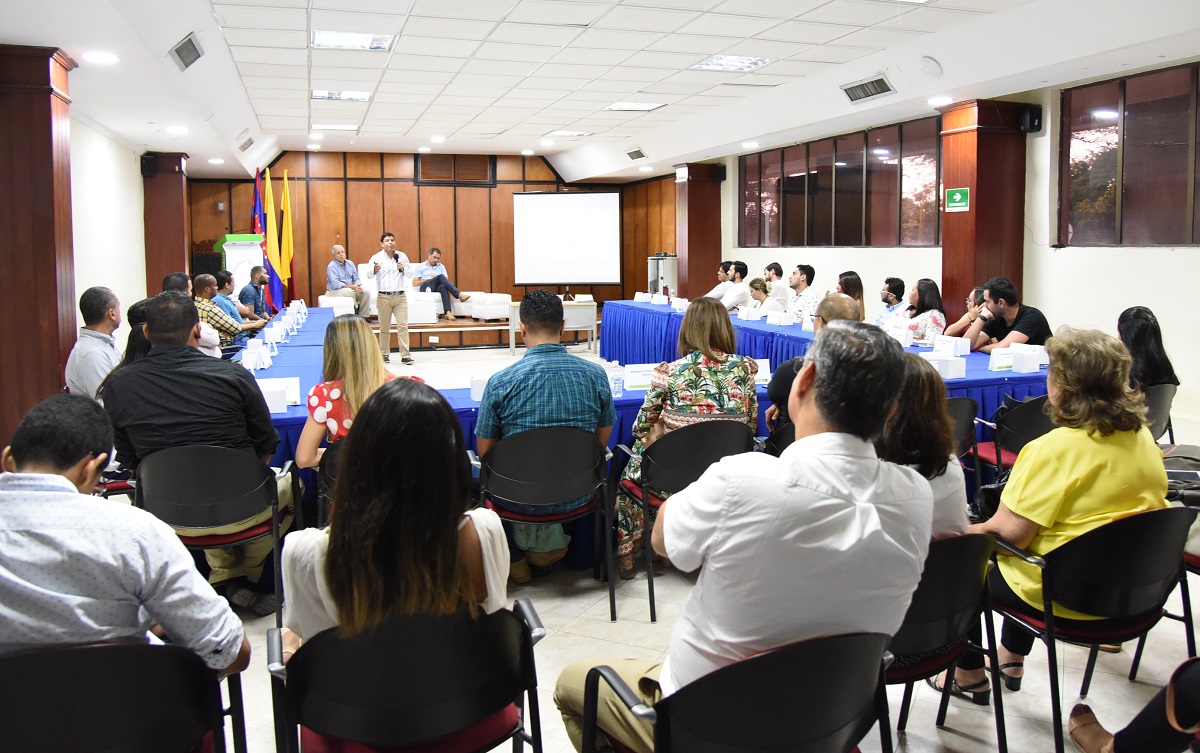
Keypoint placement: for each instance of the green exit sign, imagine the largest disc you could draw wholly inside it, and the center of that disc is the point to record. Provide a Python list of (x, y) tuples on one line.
[(958, 200)]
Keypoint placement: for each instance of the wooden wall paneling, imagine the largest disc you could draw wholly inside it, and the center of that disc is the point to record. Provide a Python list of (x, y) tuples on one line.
[(653, 219), (400, 217), (166, 218), (298, 189), (364, 165), (472, 262), (510, 167), (208, 222), (364, 217), (398, 166), (639, 229), (241, 220), (698, 228), (502, 240), (326, 165), (628, 288), (536, 169), (327, 226), (293, 162), (437, 207), (666, 189)]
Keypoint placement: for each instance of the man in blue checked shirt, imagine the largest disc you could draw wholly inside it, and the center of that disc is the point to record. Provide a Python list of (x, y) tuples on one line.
[(431, 275), (547, 387)]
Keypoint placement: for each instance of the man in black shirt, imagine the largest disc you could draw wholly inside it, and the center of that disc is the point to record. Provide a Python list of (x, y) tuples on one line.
[(176, 396), (1004, 321)]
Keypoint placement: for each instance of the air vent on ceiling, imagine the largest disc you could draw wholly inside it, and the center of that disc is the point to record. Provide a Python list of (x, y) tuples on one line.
[(868, 88), (186, 52), (635, 153), (245, 145)]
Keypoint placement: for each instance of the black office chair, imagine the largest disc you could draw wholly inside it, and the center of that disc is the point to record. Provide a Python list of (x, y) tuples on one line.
[(454, 681), (947, 604), (780, 439), (1016, 428), (963, 412), (200, 486), (817, 696), (672, 462), (129, 697), (1124, 570), (547, 467), (1158, 402), (327, 471)]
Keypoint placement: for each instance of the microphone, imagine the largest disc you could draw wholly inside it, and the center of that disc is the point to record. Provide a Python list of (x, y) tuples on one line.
[(396, 256)]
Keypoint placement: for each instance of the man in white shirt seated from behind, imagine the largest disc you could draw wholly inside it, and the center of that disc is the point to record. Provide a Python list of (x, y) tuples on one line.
[(738, 293), (779, 287), (78, 569), (723, 281), (95, 353), (826, 539)]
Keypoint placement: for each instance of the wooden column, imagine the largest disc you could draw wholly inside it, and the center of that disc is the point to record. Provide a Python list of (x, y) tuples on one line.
[(167, 218), (36, 257), (983, 149), (697, 225)]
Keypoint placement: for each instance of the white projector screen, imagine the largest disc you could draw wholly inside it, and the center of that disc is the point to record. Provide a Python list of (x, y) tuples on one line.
[(567, 238)]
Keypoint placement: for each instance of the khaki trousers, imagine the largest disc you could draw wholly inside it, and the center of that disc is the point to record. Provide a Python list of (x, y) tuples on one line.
[(244, 560), (612, 716), (389, 305), (361, 300)]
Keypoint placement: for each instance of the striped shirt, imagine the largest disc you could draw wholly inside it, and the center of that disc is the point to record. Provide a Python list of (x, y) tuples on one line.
[(223, 323)]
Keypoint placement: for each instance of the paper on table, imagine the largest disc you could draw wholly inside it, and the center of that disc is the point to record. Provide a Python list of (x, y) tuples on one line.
[(637, 375), (764, 371), (290, 384)]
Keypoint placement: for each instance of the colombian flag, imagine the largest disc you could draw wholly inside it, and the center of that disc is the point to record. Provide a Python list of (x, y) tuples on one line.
[(264, 222)]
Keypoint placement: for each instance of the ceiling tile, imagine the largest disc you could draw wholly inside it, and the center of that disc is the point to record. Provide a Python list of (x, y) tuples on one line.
[(345, 109), (797, 68), (500, 67), (930, 19), (401, 98), (266, 82), (591, 93), (447, 28), (456, 48), (535, 34), (274, 121), (572, 71), (587, 56), (877, 37), (281, 71), (357, 6), (681, 4), (609, 88), (543, 95), (478, 80), (693, 43), (514, 113), (247, 17), (635, 73), (267, 38), (346, 74), (452, 99), (708, 78), (733, 90), (524, 90), (701, 100), (547, 82), (675, 87), (780, 9), (270, 3), (395, 110), (425, 63), (266, 92), (482, 10), (644, 19), (514, 52), (363, 23), (521, 102), (830, 53), (561, 13), (856, 13), (349, 59), (491, 92), (764, 79), (765, 48), (270, 55), (399, 86), (425, 77), (808, 33), (280, 111), (439, 110), (720, 24), (674, 61), (611, 39), (989, 6)]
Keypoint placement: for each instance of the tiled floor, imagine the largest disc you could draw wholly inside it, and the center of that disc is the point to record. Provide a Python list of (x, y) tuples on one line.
[(575, 612)]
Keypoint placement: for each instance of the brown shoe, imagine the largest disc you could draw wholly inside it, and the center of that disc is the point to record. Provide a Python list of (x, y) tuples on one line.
[(464, 297), (1086, 732), (450, 317)]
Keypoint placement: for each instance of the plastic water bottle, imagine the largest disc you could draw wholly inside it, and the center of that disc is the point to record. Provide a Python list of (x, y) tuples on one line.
[(616, 378)]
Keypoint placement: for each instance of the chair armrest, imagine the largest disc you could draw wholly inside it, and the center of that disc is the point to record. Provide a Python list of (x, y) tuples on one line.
[(888, 658), (290, 469), (1016, 551), (275, 665), (625, 449), (473, 459), (760, 444), (524, 609), (591, 700), (991, 425)]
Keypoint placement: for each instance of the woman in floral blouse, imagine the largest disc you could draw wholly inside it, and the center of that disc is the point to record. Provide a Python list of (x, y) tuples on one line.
[(707, 381), (925, 307)]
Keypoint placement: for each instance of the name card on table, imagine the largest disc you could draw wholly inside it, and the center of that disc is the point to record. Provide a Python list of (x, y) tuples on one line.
[(250, 359), (808, 324), (902, 334), (1000, 359), (950, 367), (1037, 351), (659, 299), (477, 386), (641, 297), (953, 346), (680, 304), (779, 319), (272, 335), (1025, 363), (584, 298), (764, 371), (637, 375), (289, 385)]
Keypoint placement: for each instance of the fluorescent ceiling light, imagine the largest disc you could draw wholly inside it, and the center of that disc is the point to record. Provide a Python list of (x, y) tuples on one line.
[(547, 142), (424, 149), (734, 63), (839, 164), (216, 161), (940, 101), (569, 134), (880, 152), (645, 168), (333, 127), (100, 58), (634, 106), (177, 130), (527, 152), (1106, 114), (316, 136), (349, 40), (749, 144), (438, 139), (345, 96), (314, 146)]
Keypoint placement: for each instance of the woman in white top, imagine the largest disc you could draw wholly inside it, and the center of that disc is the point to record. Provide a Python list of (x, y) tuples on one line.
[(925, 307), (398, 542), (921, 436), (760, 290)]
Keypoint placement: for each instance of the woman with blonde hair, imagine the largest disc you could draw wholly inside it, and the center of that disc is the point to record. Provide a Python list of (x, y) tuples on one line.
[(1101, 464), (851, 284), (760, 290), (707, 381), (353, 371)]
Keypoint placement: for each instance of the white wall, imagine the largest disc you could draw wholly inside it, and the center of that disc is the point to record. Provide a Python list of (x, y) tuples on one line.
[(106, 218)]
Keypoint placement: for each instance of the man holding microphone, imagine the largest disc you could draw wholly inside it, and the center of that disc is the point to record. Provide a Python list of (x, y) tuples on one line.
[(388, 269)]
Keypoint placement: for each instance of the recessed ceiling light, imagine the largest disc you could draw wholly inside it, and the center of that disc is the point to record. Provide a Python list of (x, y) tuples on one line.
[(547, 142), (839, 164), (940, 101), (314, 146), (1106, 114), (342, 96), (437, 139), (349, 40), (216, 161), (527, 152), (645, 168), (424, 149), (634, 106), (333, 127), (316, 136), (880, 152), (177, 130), (749, 144), (569, 134), (100, 58), (735, 63)]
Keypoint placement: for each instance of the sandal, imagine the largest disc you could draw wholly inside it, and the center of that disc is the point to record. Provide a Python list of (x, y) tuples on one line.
[(1086, 732), (258, 604), (1011, 682), (979, 693)]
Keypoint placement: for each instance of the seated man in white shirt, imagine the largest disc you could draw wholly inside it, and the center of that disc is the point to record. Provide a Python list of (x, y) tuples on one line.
[(738, 293), (824, 540), (95, 353), (805, 297), (779, 287), (79, 569), (894, 305), (723, 281)]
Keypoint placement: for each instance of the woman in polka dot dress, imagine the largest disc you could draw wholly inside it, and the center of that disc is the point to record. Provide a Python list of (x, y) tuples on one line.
[(353, 371)]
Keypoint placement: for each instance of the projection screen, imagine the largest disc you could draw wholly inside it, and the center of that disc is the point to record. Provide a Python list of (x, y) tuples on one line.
[(567, 238)]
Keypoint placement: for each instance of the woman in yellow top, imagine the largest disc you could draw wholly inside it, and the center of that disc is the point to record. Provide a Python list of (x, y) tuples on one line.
[(1100, 465)]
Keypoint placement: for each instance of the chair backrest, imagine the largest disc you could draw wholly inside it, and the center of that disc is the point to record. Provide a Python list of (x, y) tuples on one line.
[(780, 439), (680, 457), (200, 486), (411, 679), (963, 412), (818, 696), (327, 471), (949, 597), (126, 697), (1124, 568), (544, 466), (1022, 424), (1158, 402)]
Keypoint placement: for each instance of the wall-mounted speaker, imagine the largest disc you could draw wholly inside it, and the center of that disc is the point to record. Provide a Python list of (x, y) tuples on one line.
[(149, 165), (1029, 118)]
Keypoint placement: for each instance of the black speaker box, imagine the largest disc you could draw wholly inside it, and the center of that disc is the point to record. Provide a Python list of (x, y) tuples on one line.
[(149, 165), (1029, 118)]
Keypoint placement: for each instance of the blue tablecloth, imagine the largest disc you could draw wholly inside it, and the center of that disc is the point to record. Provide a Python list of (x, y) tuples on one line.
[(312, 332)]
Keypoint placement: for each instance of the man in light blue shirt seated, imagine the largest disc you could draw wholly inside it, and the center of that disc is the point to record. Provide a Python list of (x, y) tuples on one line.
[(225, 303), (95, 352), (341, 279), (431, 275), (894, 305)]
